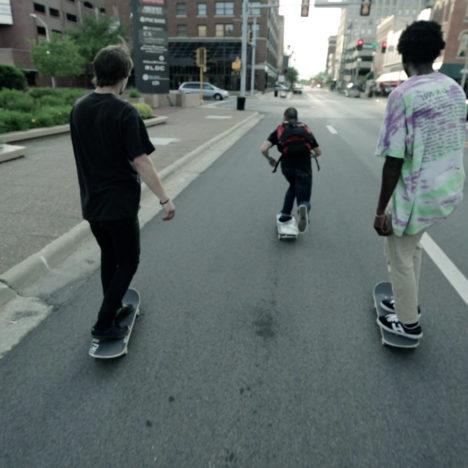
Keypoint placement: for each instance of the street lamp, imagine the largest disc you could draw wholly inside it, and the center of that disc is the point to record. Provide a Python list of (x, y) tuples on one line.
[(33, 15)]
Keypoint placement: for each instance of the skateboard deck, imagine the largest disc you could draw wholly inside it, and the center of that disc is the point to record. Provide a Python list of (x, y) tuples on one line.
[(115, 348), (287, 230), (381, 291)]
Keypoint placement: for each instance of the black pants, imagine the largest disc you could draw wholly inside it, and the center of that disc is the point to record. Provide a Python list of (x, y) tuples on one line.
[(120, 254), (300, 189)]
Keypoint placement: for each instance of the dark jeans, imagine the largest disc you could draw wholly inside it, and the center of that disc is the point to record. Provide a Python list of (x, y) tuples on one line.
[(120, 253), (300, 188)]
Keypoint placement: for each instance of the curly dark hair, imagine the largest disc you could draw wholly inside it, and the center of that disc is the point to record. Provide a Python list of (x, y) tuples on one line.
[(421, 42)]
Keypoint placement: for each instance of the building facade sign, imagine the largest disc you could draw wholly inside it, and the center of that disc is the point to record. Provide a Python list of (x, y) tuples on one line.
[(150, 46), (6, 16)]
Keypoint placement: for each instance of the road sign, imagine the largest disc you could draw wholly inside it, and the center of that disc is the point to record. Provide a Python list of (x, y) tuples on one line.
[(150, 46)]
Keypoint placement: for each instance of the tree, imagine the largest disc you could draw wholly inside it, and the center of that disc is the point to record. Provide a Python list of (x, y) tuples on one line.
[(59, 57), (95, 33), (292, 75)]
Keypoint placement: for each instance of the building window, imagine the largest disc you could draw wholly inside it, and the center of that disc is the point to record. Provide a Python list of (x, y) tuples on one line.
[(39, 8), (202, 30), (224, 9), (72, 18), (181, 9), (182, 30), (224, 30), (254, 10), (202, 9), (41, 30), (54, 12), (462, 44), (88, 5)]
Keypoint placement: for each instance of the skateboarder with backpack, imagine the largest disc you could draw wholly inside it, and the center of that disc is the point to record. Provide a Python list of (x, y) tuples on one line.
[(297, 145), (111, 148)]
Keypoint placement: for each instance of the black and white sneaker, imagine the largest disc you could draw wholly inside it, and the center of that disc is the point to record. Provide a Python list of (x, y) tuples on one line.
[(388, 304), (391, 324)]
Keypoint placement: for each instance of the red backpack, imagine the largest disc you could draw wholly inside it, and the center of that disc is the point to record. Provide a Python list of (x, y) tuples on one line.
[(294, 139)]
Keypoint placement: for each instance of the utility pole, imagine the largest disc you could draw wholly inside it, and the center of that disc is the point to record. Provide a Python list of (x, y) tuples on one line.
[(241, 98), (254, 49)]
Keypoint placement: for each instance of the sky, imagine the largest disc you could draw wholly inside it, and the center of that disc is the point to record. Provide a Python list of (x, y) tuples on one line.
[(308, 37)]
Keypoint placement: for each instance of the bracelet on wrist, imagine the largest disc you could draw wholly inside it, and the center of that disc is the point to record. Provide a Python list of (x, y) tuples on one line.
[(380, 216), (164, 202)]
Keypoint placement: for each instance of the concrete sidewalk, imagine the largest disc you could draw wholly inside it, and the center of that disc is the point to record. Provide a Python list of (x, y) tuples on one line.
[(40, 196)]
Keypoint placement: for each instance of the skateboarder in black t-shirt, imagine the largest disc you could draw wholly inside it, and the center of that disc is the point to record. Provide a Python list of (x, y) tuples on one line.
[(297, 144), (111, 147)]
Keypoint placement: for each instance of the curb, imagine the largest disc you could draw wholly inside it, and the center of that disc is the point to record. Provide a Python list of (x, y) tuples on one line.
[(24, 274), (58, 129)]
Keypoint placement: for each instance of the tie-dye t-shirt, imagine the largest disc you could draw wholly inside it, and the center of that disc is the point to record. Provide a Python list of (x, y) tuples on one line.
[(425, 125)]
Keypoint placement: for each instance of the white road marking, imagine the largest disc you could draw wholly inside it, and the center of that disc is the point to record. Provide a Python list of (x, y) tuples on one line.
[(331, 129), (163, 141), (218, 117), (446, 266)]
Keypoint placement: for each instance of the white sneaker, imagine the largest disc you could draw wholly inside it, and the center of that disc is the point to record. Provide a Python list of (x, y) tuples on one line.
[(303, 218), (287, 228)]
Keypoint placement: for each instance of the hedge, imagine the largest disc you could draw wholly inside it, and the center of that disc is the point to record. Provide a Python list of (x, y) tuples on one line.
[(43, 107)]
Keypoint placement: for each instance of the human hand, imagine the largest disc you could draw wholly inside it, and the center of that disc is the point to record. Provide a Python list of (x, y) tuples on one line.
[(382, 225), (169, 210), (272, 161)]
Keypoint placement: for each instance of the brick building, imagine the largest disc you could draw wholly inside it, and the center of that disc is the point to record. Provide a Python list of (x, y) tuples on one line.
[(213, 24), (49, 16), (217, 26), (452, 15)]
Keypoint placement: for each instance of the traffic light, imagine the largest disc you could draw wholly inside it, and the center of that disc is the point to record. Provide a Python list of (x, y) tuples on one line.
[(201, 57), (365, 7), (305, 7), (249, 37), (383, 48), (360, 43)]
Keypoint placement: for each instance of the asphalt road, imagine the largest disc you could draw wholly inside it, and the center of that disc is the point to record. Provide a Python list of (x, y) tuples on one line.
[(252, 352)]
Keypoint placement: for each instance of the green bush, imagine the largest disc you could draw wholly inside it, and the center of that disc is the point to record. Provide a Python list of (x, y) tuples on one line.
[(37, 93), (13, 121), (50, 116), (70, 96), (144, 109), (12, 77), (50, 101), (134, 93), (12, 99)]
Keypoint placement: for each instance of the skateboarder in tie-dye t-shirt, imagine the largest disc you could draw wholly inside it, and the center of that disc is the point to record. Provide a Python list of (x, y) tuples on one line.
[(422, 140)]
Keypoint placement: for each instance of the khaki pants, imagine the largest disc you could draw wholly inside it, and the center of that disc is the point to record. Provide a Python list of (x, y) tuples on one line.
[(404, 265)]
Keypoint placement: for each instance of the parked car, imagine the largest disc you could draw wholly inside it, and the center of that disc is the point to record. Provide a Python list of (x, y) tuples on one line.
[(352, 90), (281, 89), (382, 88), (209, 90)]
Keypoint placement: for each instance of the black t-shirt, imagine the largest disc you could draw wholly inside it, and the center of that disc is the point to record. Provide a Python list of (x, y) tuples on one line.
[(107, 135), (295, 161)]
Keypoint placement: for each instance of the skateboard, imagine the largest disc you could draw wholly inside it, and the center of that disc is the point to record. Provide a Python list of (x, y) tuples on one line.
[(381, 291), (287, 230), (115, 348)]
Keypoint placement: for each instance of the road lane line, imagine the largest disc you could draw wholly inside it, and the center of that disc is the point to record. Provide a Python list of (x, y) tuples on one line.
[(331, 129), (446, 266)]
